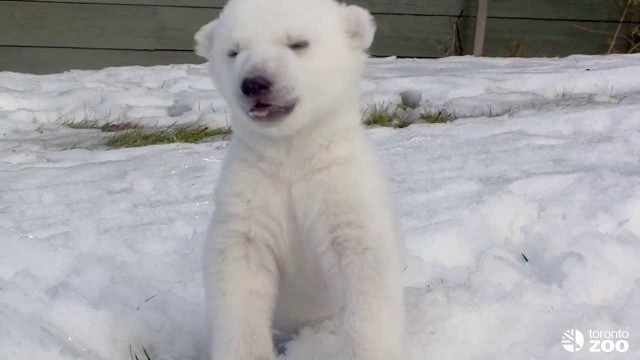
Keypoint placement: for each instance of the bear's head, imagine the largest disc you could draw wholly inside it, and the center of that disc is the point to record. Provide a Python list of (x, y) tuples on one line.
[(282, 65)]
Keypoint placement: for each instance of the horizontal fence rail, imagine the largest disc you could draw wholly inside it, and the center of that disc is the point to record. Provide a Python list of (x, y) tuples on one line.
[(45, 36)]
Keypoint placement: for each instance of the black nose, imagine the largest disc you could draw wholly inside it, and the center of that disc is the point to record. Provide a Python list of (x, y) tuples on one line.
[(256, 86)]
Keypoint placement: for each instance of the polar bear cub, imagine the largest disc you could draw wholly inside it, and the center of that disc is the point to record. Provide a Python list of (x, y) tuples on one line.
[(304, 230)]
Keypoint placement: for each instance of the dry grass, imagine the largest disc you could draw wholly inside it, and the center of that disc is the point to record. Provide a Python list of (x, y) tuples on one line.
[(630, 12), (628, 29), (107, 126), (134, 356), (129, 134), (383, 114), (437, 116), (172, 134), (634, 35), (388, 114)]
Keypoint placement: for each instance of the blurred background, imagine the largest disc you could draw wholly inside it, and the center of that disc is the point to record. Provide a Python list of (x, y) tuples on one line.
[(47, 36)]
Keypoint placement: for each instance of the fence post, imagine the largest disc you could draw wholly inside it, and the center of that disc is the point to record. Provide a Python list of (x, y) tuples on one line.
[(481, 26)]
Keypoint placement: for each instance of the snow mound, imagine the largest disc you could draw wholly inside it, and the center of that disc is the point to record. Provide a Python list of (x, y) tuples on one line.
[(522, 219)]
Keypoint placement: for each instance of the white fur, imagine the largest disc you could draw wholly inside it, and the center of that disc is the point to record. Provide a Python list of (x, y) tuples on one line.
[(304, 229)]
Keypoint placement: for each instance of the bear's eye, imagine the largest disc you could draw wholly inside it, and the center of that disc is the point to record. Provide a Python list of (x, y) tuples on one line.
[(232, 53), (299, 45)]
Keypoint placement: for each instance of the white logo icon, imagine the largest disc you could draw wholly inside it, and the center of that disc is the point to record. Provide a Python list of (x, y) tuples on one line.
[(572, 340)]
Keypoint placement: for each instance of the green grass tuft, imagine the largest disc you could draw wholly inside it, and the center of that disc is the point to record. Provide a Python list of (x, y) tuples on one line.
[(380, 115), (137, 137), (386, 115), (391, 115), (437, 117), (400, 124)]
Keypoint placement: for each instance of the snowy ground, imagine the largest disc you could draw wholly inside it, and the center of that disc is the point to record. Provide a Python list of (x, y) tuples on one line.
[(99, 248)]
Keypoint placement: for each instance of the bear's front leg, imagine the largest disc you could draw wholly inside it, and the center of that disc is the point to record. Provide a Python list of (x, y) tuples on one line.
[(241, 283), (371, 300)]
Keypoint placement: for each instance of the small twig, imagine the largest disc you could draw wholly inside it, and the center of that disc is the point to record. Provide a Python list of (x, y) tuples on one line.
[(615, 37), (459, 49), (146, 353), (149, 298), (593, 31)]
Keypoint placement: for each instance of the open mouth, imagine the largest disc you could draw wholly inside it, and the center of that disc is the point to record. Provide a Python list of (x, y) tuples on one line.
[(267, 112)]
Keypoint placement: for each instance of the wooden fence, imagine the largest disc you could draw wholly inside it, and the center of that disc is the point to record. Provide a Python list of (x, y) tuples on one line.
[(44, 36)]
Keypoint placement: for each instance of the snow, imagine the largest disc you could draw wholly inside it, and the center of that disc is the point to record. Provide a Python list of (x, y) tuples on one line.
[(522, 219)]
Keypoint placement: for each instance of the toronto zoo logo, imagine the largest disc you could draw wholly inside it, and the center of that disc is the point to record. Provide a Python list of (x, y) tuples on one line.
[(607, 341), (572, 340)]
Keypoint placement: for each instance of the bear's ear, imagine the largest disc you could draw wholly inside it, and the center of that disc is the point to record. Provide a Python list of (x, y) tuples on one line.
[(204, 40), (360, 26)]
